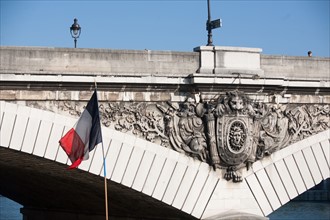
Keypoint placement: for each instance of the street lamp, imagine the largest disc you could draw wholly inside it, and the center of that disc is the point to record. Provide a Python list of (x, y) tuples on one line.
[(211, 25), (208, 25), (75, 30)]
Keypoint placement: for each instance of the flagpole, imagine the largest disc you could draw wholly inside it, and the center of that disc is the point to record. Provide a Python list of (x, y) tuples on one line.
[(104, 171), (105, 185)]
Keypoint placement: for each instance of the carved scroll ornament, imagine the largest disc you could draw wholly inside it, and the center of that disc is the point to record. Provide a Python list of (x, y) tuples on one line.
[(228, 132)]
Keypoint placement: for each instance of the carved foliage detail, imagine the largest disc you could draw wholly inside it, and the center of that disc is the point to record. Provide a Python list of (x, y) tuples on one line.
[(140, 119), (228, 132)]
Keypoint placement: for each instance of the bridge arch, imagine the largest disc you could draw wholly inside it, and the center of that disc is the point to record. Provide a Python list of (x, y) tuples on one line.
[(276, 179), (186, 185)]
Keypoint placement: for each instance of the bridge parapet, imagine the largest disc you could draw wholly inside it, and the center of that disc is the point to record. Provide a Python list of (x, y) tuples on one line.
[(96, 62), (229, 60), (29, 73), (106, 62)]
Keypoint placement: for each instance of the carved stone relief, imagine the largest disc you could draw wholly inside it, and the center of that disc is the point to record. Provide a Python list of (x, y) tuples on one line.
[(228, 132)]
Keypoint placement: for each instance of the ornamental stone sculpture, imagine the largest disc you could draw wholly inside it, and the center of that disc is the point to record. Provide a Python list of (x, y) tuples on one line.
[(228, 132)]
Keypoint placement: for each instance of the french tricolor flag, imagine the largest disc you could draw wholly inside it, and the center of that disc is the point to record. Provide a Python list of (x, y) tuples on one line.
[(85, 135)]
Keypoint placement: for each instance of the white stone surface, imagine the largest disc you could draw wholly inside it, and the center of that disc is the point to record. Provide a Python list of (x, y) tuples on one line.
[(155, 171), (304, 169), (196, 188), (177, 176), (186, 183), (287, 151), (267, 161), (319, 137), (259, 194), (133, 164), (205, 195), (56, 134), (229, 60), (256, 166), (237, 60), (31, 131), (276, 156), (312, 164), (7, 124), (21, 121), (295, 174), (326, 150), (165, 175), (232, 57), (44, 131), (112, 156), (321, 161), (2, 109), (122, 162), (239, 194), (286, 179), (143, 171), (276, 181), (206, 59), (268, 189)]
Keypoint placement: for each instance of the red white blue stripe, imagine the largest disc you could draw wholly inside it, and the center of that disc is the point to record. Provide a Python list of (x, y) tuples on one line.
[(85, 135)]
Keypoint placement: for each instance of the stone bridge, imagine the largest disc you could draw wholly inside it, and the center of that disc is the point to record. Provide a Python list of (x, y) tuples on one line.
[(217, 132)]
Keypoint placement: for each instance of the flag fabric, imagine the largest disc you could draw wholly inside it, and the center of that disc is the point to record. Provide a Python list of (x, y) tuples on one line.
[(85, 135)]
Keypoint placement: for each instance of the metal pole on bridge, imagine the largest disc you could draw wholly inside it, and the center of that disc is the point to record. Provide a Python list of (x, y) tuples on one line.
[(105, 185), (211, 25), (208, 25), (104, 173)]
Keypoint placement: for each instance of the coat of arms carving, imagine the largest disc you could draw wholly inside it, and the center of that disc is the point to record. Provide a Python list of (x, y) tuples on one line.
[(234, 144), (228, 132)]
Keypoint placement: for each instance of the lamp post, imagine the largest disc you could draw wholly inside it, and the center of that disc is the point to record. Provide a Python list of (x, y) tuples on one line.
[(211, 25), (208, 25), (75, 31)]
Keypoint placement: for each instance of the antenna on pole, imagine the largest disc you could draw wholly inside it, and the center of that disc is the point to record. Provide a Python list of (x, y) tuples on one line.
[(211, 25)]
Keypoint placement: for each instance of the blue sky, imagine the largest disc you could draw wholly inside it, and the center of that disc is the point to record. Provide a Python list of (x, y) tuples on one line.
[(279, 27)]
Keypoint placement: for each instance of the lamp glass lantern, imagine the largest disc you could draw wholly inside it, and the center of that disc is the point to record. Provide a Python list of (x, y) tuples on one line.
[(75, 31)]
